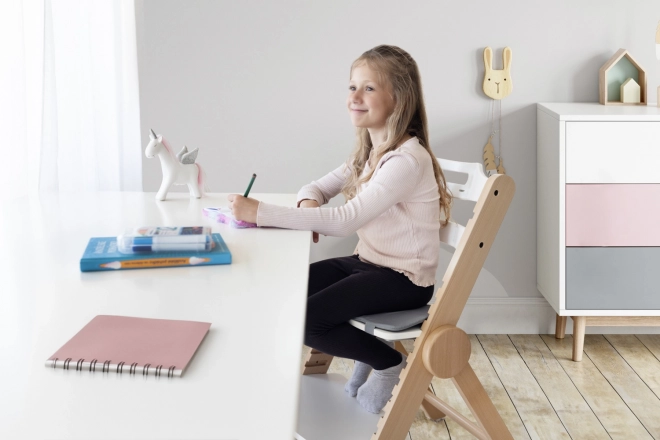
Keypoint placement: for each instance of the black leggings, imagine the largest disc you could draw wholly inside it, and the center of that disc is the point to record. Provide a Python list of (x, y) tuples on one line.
[(344, 288)]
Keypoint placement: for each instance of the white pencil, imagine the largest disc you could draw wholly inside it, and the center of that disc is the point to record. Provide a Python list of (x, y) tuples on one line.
[(155, 262)]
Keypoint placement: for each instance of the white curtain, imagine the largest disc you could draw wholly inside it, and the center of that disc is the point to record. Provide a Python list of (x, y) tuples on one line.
[(69, 102)]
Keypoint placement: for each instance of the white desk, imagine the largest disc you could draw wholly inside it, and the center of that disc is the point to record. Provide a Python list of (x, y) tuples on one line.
[(243, 382)]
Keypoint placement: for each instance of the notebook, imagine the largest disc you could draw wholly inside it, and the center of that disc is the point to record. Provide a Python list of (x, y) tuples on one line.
[(102, 253), (123, 344)]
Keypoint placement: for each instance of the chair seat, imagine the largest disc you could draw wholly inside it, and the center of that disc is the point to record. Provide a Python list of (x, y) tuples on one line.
[(393, 326)]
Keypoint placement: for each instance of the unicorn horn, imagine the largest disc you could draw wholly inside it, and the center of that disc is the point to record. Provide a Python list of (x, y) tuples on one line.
[(153, 135)]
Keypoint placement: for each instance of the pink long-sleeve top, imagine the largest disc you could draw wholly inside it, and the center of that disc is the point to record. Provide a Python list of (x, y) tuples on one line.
[(396, 214)]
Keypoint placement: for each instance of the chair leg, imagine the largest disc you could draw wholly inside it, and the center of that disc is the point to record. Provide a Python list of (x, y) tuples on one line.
[(400, 411), (429, 409), (482, 407), (579, 327), (317, 362), (560, 327), (399, 346)]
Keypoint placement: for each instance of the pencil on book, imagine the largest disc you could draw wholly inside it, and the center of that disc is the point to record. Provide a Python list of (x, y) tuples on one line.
[(155, 262), (247, 191)]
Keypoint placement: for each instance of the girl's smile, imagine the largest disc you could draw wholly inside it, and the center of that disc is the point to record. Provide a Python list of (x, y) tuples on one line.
[(369, 102)]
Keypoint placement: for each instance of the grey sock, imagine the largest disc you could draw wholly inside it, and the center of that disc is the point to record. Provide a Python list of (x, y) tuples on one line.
[(375, 393), (360, 374)]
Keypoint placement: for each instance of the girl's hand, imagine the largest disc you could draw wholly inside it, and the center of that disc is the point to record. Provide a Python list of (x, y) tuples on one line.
[(243, 208), (311, 204)]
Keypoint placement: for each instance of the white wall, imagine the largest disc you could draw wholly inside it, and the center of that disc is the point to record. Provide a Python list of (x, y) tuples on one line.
[(260, 88)]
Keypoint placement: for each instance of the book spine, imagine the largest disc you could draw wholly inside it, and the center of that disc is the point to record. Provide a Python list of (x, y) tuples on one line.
[(108, 366)]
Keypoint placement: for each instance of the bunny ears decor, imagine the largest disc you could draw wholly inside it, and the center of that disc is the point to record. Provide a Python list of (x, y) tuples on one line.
[(497, 85)]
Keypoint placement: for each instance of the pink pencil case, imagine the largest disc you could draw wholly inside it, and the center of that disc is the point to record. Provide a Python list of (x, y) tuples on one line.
[(224, 215)]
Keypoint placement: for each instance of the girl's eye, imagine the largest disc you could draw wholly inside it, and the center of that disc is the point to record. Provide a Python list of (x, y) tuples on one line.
[(352, 88), (370, 88)]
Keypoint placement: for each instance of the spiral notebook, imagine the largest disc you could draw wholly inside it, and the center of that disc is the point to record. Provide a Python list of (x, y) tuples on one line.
[(123, 344)]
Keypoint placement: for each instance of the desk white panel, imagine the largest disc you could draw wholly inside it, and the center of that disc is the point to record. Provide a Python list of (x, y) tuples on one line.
[(246, 369)]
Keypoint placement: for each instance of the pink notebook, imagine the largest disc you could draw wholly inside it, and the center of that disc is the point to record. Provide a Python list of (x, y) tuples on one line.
[(122, 344)]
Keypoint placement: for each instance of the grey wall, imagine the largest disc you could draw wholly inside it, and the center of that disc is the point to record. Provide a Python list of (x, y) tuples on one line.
[(260, 87)]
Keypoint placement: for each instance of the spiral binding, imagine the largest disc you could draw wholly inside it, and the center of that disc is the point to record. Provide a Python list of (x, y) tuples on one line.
[(120, 367)]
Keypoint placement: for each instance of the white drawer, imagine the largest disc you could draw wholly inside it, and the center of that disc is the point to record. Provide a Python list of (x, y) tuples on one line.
[(612, 152)]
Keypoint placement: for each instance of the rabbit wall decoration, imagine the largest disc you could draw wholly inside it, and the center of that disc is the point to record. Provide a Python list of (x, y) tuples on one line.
[(497, 83)]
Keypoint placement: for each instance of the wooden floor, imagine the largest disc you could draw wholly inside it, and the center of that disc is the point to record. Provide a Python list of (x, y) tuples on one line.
[(614, 393)]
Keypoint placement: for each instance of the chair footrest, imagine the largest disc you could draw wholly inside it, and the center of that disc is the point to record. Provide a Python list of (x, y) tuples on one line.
[(327, 412)]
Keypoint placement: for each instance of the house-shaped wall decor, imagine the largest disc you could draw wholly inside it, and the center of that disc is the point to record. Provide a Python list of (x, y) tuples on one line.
[(614, 73)]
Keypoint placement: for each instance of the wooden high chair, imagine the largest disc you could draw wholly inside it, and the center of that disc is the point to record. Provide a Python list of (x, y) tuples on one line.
[(441, 349)]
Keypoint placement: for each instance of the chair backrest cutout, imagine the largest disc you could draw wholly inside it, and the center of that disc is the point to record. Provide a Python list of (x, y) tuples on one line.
[(471, 190)]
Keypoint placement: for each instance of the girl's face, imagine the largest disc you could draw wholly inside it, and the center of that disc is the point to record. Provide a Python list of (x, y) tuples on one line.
[(369, 103)]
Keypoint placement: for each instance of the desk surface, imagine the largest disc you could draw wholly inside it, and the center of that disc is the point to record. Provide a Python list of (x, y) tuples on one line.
[(243, 381)]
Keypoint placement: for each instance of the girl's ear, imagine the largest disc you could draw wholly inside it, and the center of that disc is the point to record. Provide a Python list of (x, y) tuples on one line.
[(506, 58), (488, 58)]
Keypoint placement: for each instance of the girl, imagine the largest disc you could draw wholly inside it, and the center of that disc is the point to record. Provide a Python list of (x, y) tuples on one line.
[(395, 191)]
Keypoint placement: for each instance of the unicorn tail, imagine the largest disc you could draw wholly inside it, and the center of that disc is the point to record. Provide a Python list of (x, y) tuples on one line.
[(201, 179)]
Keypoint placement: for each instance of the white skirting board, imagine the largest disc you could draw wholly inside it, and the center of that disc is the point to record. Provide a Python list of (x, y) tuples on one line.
[(525, 316)]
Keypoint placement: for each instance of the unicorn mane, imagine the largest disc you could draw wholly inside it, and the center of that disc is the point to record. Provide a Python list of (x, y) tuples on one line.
[(168, 148)]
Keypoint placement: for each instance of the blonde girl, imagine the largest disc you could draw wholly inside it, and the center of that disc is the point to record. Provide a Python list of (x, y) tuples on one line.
[(395, 192)]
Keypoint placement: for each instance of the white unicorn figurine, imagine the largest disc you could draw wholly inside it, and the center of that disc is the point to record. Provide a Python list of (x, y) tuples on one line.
[(179, 169)]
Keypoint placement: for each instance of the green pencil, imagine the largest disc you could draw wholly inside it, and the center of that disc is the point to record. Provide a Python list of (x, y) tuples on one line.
[(247, 191)]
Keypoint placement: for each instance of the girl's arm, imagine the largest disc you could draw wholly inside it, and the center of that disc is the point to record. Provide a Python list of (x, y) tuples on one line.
[(325, 188), (394, 182)]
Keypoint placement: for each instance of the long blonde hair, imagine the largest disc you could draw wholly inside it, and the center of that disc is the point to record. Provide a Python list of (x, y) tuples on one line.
[(399, 69)]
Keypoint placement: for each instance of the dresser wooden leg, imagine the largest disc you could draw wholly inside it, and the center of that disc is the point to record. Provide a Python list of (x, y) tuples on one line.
[(560, 327), (579, 325)]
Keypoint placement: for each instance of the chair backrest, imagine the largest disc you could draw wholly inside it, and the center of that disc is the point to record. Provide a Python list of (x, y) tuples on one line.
[(471, 190), (405, 325)]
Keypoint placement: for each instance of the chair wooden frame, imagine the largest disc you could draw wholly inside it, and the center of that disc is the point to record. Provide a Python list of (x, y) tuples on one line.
[(441, 349)]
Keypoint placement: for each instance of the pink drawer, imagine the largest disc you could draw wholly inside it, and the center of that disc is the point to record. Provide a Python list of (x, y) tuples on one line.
[(613, 215)]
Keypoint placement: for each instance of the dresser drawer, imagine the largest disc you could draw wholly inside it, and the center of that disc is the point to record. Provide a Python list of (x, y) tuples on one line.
[(622, 278), (612, 152), (613, 215)]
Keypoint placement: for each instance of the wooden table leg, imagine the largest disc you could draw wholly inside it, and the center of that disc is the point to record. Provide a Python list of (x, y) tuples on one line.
[(579, 325), (560, 327)]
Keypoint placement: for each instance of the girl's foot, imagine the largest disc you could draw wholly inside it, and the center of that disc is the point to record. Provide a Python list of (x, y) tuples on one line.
[(375, 393)]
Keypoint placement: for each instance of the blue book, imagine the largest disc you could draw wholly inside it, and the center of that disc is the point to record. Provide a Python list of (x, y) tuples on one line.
[(102, 254)]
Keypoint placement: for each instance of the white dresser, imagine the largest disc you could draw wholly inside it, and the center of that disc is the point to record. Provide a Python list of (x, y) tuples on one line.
[(598, 214)]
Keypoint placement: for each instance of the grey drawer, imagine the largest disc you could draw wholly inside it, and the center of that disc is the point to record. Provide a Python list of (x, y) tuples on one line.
[(613, 278)]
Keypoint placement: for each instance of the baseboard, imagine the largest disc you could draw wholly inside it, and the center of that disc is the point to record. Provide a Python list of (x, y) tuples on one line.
[(507, 316), (525, 316)]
